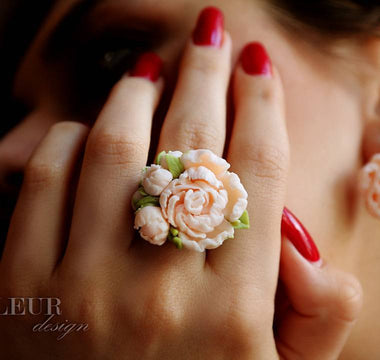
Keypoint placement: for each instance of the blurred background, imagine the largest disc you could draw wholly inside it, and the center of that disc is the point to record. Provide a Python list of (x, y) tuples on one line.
[(19, 22)]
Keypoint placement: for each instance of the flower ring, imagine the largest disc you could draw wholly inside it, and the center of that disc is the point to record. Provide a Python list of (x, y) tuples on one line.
[(190, 199)]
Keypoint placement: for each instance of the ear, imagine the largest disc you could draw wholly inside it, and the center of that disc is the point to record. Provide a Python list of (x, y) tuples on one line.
[(371, 140), (370, 81)]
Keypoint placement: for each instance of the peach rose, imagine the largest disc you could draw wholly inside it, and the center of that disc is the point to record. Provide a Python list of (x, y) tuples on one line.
[(370, 185), (152, 225), (155, 179), (203, 201)]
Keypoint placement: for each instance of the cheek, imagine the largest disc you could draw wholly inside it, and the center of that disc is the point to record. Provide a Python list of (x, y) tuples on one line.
[(325, 130), (325, 126)]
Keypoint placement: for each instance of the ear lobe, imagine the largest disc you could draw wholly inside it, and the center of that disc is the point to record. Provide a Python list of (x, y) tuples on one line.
[(371, 140)]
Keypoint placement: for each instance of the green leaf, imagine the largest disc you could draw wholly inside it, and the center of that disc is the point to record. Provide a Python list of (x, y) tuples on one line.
[(147, 201), (243, 222), (175, 165), (134, 204), (177, 242), (245, 218), (142, 191), (174, 231), (159, 157)]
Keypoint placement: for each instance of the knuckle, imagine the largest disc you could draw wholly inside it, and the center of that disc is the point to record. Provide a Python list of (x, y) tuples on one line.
[(140, 94), (269, 93), (89, 303), (243, 323), (261, 91), (164, 316), (39, 175), (68, 127), (242, 331), (90, 309), (162, 312), (197, 134), (267, 161), (16, 282), (204, 64), (349, 299), (114, 148)]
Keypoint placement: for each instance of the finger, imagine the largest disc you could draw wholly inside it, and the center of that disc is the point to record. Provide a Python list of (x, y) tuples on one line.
[(116, 152), (324, 304), (197, 115), (258, 153), (42, 215)]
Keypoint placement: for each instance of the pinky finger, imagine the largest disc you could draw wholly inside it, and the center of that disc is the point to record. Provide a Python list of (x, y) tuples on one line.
[(39, 224)]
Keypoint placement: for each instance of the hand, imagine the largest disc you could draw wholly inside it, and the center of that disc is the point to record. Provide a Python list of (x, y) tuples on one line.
[(317, 305), (142, 301)]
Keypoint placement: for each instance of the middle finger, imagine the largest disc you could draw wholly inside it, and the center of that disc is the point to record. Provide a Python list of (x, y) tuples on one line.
[(197, 115)]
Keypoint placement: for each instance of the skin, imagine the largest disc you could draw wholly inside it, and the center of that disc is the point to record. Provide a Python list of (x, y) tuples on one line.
[(314, 158)]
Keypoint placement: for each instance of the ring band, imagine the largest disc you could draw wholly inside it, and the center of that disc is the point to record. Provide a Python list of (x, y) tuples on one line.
[(190, 199)]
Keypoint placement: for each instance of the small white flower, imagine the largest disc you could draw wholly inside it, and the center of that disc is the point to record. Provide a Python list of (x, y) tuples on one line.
[(152, 225), (155, 179)]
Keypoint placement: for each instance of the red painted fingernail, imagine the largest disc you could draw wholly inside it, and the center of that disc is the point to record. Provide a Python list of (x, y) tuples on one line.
[(148, 66), (293, 230), (255, 60), (209, 29)]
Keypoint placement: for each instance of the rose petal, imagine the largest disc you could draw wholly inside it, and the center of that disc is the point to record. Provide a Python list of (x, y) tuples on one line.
[(202, 173), (194, 201), (237, 197), (206, 158), (214, 239)]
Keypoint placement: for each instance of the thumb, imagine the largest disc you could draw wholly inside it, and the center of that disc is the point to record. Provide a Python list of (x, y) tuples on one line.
[(322, 303)]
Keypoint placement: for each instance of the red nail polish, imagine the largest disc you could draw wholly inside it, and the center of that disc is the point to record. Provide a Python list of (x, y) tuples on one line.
[(209, 29), (148, 66), (255, 60), (292, 229)]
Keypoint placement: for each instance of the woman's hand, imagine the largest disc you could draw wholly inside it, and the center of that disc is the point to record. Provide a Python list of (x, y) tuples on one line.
[(317, 305), (72, 238)]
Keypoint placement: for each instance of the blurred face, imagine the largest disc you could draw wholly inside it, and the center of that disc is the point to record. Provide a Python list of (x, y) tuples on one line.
[(82, 49)]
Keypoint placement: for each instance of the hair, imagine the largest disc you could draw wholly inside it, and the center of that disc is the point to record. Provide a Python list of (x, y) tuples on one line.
[(336, 19)]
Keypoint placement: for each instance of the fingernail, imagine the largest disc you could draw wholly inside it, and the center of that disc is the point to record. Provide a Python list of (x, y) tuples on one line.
[(255, 60), (293, 230), (209, 28), (148, 66)]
